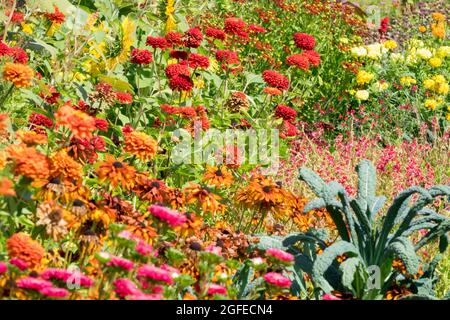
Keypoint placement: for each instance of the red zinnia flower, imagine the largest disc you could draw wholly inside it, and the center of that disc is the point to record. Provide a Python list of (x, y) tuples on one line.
[(236, 27), (384, 25), (157, 42), (177, 54), (312, 56), (101, 124), (56, 17), (141, 56), (216, 34), (19, 55), (256, 29), (285, 113), (276, 80), (181, 83), (174, 38), (193, 38), (17, 17), (227, 57), (298, 60), (177, 69), (124, 97), (198, 61), (4, 49), (304, 41)]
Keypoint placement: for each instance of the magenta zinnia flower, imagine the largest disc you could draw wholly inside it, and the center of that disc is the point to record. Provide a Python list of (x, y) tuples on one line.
[(33, 283), (125, 287), (330, 297), (121, 263), (280, 254), (216, 289), (3, 267), (22, 265), (170, 216), (155, 274), (53, 292), (277, 279)]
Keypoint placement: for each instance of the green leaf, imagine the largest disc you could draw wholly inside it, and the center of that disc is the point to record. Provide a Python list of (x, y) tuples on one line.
[(403, 249), (326, 259)]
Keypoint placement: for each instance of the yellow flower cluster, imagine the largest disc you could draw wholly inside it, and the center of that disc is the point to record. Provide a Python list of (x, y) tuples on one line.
[(364, 77), (437, 84), (407, 81)]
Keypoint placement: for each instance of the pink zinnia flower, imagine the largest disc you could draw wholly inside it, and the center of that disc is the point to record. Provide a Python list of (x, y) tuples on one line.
[(280, 254), (216, 289), (174, 271), (144, 248), (3, 267), (22, 265), (155, 274), (53, 292), (125, 287), (121, 263), (143, 296), (170, 216), (66, 275), (330, 297), (33, 283), (277, 279), (214, 249)]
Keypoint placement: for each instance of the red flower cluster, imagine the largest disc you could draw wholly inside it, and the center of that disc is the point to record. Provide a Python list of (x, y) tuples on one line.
[(56, 17), (299, 60), (174, 38), (198, 61), (227, 57), (157, 42), (141, 56), (124, 98), (179, 77), (193, 38), (236, 27), (178, 54), (304, 41), (17, 54), (216, 34), (384, 25), (285, 112), (276, 80)]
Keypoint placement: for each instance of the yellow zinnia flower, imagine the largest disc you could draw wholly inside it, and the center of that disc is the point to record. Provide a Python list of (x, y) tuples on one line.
[(364, 77), (435, 62)]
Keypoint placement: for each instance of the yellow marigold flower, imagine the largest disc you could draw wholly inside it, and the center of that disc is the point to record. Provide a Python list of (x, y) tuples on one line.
[(428, 84), (390, 44), (431, 104), (362, 95), (443, 88), (422, 29), (19, 74), (438, 16), (439, 79), (435, 62), (27, 28), (407, 81), (364, 77), (199, 83), (141, 145), (443, 52)]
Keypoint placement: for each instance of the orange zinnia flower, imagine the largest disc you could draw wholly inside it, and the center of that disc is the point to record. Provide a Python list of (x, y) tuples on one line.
[(141, 145), (29, 162), (31, 138), (64, 166), (218, 176), (19, 74), (7, 187), (21, 246), (79, 123), (116, 173)]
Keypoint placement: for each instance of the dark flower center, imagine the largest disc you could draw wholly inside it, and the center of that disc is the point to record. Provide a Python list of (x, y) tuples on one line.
[(117, 165), (55, 215), (89, 232), (267, 189), (78, 203), (55, 181), (219, 173), (195, 246), (156, 184)]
